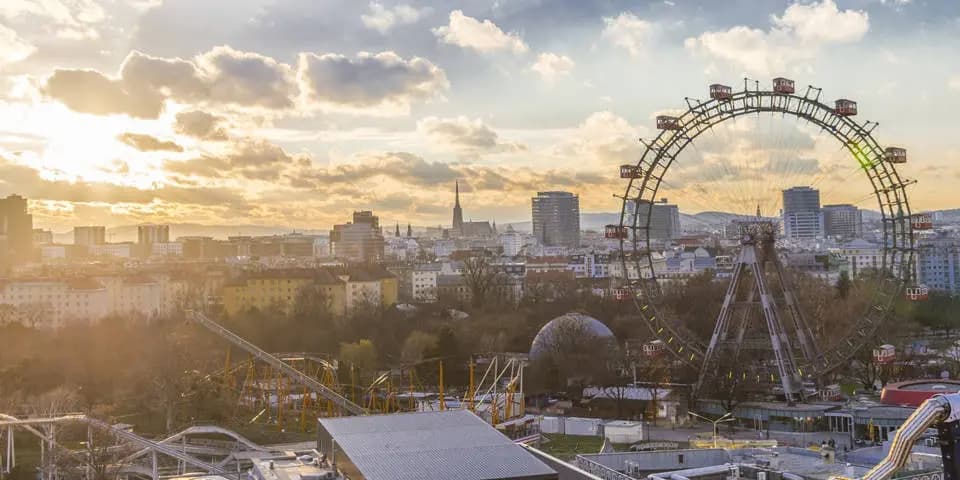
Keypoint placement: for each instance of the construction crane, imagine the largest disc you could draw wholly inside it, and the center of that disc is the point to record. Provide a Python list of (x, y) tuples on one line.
[(343, 403)]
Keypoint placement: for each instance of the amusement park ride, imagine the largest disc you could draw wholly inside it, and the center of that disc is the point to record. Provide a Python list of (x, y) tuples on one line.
[(271, 390), (798, 357)]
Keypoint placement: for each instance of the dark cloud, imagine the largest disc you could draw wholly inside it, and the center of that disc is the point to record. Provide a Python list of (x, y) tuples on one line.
[(470, 135), (369, 80), (148, 143), (201, 125)]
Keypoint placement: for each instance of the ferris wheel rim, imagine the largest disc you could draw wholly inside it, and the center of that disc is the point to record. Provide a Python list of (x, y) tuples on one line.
[(888, 187)]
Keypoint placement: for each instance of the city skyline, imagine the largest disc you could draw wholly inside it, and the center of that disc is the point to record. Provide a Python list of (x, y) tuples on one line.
[(267, 115)]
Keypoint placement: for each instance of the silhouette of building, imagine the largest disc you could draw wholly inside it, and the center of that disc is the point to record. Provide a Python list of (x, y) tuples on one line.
[(149, 234), (89, 235), (16, 231), (556, 219), (360, 241)]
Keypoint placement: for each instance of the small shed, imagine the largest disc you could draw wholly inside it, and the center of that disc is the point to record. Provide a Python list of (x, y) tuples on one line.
[(624, 431)]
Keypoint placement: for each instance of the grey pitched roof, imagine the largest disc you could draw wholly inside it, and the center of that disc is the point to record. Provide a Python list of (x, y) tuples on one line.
[(432, 445)]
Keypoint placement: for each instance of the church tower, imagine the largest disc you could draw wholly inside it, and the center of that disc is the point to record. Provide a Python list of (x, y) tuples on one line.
[(457, 212)]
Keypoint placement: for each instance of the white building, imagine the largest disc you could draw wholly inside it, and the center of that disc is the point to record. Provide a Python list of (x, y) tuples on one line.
[(133, 295), (118, 250), (423, 280), (444, 248), (50, 253), (166, 249), (633, 273), (513, 242), (861, 256), (47, 303), (321, 247)]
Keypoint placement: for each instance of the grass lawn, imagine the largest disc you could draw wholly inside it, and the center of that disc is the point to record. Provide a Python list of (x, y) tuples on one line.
[(566, 447)]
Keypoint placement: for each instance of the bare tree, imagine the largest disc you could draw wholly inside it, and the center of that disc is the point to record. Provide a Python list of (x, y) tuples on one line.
[(481, 277)]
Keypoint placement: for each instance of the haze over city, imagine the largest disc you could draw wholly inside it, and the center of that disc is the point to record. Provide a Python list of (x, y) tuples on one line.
[(479, 239), (294, 112)]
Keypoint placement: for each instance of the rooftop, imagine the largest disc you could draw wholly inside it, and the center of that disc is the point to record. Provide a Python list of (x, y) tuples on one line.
[(431, 445)]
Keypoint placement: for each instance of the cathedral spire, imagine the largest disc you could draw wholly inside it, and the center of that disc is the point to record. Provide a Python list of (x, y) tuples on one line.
[(396, 232), (409, 230), (457, 211)]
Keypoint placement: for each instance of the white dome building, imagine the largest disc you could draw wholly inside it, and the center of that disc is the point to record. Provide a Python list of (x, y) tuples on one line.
[(568, 324)]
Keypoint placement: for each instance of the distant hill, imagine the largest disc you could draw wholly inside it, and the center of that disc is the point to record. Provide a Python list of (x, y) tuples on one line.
[(128, 233)]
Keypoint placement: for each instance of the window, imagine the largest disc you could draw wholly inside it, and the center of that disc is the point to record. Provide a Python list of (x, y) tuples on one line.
[(680, 459)]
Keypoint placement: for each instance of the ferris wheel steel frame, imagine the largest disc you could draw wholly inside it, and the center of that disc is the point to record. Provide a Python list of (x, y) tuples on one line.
[(888, 187)]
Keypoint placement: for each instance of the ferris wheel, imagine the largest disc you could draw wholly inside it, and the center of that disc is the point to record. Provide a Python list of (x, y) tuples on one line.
[(798, 353)]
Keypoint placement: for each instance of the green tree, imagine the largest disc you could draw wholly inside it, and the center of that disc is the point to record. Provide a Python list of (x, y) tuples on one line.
[(843, 285)]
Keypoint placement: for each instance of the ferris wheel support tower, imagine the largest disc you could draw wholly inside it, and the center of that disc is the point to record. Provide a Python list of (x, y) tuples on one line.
[(757, 240)]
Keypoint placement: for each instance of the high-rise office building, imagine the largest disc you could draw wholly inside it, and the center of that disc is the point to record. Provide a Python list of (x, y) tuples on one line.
[(149, 234), (556, 219), (361, 240), (16, 231), (89, 235), (664, 219), (938, 263), (802, 218), (845, 221)]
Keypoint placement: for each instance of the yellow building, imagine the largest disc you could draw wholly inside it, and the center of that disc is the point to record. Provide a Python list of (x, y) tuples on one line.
[(369, 285), (280, 288)]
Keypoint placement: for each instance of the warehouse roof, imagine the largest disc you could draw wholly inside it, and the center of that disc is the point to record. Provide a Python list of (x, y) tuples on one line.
[(432, 445)]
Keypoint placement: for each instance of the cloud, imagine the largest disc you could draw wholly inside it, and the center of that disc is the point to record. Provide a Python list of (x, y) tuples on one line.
[(382, 83), (147, 143), (823, 22), (247, 79), (627, 31), (551, 66), (794, 39), (603, 139), (202, 125), (12, 47), (249, 159), (89, 91), (412, 171), (71, 19), (464, 134), (485, 36), (222, 77), (28, 182), (382, 18)]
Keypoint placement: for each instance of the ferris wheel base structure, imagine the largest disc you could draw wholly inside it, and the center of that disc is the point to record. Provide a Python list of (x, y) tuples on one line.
[(878, 164)]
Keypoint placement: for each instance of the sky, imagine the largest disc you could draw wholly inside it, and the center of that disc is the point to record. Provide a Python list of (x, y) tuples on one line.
[(298, 112)]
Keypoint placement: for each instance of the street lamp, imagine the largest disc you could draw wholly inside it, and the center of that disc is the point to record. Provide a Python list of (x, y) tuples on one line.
[(727, 417)]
